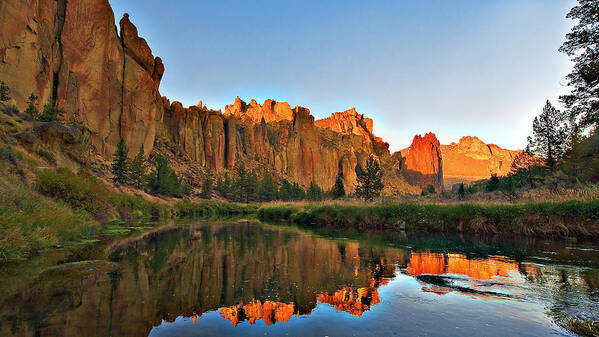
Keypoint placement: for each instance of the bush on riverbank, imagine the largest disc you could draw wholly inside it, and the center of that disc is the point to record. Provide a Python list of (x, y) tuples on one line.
[(575, 217), (212, 208)]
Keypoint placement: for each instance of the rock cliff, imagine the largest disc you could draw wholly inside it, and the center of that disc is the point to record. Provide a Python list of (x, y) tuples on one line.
[(423, 164), (70, 52), (471, 159)]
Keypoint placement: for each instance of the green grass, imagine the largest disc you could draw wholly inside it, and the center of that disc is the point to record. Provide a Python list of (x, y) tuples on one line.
[(575, 217), (30, 221), (210, 208)]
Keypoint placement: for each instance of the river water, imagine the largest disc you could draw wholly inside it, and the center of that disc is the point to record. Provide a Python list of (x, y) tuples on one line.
[(250, 279)]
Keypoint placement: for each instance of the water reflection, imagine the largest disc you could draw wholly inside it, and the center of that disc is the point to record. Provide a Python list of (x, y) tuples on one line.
[(243, 278)]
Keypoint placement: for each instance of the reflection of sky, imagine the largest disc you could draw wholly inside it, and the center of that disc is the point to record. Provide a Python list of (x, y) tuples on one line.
[(405, 310)]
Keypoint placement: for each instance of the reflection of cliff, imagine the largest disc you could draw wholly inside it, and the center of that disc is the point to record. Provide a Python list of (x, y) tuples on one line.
[(173, 273), (352, 300), (480, 269)]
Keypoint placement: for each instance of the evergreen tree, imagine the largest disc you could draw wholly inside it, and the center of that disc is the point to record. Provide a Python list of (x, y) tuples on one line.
[(120, 164), (461, 192), (241, 184), (227, 186), (429, 189), (163, 180), (4, 92), (286, 190), (50, 113), (297, 192), (31, 109), (138, 168), (338, 191), (268, 188), (370, 183), (493, 183), (207, 185), (550, 135), (582, 44), (314, 192), (252, 187)]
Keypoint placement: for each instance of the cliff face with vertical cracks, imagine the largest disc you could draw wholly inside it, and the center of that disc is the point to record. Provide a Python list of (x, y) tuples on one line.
[(423, 164), (471, 159), (70, 51), (273, 137)]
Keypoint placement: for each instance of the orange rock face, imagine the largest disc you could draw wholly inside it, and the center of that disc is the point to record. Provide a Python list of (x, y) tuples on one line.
[(423, 164), (471, 159), (349, 121), (70, 51), (270, 111)]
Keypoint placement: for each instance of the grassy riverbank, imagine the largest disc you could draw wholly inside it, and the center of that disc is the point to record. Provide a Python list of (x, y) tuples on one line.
[(564, 218), (62, 207)]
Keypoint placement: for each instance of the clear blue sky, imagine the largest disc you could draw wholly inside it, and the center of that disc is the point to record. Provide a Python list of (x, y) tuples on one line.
[(460, 67)]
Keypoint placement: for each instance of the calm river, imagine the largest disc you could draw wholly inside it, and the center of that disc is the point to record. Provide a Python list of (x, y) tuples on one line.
[(249, 279)]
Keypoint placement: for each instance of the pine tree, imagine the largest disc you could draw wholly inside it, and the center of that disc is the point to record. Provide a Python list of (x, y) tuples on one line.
[(31, 109), (138, 168), (241, 184), (493, 183), (550, 135), (163, 179), (207, 185), (461, 192), (338, 191), (314, 192), (582, 45), (50, 113), (286, 190), (252, 187), (268, 188), (369, 185), (4, 92), (297, 192), (120, 164)]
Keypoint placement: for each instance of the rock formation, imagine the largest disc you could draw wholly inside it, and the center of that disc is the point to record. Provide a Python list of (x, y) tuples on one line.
[(423, 164), (69, 51), (349, 121), (471, 159)]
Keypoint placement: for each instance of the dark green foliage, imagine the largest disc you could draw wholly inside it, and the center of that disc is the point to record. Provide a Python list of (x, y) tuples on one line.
[(4, 92), (50, 113), (212, 208), (509, 189), (240, 184), (286, 190), (31, 109), (138, 168), (268, 188), (550, 135), (428, 190), (582, 44), (461, 192), (338, 190), (163, 180), (120, 164), (581, 161), (207, 185), (314, 192), (369, 185), (224, 186), (493, 183), (252, 187), (297, 192)]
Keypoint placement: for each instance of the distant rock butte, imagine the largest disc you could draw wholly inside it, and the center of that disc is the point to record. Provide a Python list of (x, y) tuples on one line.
[(423, 164), (471, 159)]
